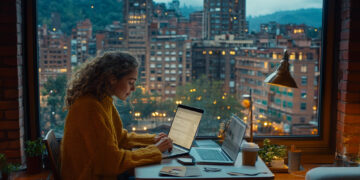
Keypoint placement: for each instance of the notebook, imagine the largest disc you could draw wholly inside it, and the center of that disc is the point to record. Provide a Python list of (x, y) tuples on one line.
[(230, 148), (183, 130)]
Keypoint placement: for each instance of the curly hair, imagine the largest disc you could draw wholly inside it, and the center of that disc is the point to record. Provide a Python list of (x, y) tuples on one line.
[(93, 77)]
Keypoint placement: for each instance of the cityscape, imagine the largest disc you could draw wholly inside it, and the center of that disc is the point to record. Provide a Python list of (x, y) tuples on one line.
[(208, 59)]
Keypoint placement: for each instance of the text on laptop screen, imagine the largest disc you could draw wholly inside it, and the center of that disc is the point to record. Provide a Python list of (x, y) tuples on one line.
[(184, 127)]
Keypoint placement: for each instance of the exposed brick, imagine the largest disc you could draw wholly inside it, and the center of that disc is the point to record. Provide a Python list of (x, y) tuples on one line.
[(345, 34), (351, 76), (9, 61), (10, 72), (352, 148), (350, 86), (344, 45), (11, 93), (12, 153), (2, 135), (351, 129), (354, 46), (348, 118), (344, 55), (7, 28), (352, 139), (350, 65), (8, 39), (9, 125), (349, 96), (13, 134), (354, 55), (10, 144), (7, 50), (345, 24), (5, 105), (7, 8), (349, 107), (345, 14), (12, 114), (10, 83)]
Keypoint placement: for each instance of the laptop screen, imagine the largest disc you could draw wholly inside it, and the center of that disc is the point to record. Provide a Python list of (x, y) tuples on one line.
[(234, 136), (184, 126)]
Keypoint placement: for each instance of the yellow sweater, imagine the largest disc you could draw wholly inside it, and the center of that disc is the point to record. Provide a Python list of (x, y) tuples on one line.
[(95, 145)]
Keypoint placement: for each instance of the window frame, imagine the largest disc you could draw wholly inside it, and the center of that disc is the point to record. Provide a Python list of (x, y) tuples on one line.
[(322, 145)]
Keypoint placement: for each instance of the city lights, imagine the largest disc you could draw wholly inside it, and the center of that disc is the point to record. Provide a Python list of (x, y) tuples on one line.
[(207, 59)]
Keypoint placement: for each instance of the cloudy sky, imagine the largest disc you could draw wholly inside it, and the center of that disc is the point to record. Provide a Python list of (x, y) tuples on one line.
[(261, 7)]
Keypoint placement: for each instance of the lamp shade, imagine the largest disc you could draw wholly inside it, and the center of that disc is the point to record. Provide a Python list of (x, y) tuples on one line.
[(282, 76)]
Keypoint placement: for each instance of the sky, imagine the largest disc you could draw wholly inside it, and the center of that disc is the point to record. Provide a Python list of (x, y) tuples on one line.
[(262, 7)]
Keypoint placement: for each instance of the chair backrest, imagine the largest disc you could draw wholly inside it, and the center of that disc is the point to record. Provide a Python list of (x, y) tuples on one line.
[(53, 148)]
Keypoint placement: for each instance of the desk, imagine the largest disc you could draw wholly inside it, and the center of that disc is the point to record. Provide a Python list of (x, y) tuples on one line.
[(152, 171)]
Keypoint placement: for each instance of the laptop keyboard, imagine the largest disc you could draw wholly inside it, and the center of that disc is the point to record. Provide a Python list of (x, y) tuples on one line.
[(211, 154)]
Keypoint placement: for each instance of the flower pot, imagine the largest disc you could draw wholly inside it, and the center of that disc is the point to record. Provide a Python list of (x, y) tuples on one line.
[(34, 164), (277, 163)]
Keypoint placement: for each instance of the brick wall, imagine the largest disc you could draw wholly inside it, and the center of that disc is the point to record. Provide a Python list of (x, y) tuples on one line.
[(348, 121), (11, 86)]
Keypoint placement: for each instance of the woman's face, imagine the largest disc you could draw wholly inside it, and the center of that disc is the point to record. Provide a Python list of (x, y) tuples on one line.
[(124, 86)]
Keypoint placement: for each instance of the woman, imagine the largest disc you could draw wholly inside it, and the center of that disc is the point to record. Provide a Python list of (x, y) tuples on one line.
[(95, 145)]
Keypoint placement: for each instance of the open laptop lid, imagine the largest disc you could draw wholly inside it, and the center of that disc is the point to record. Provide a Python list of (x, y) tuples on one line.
[(185, 125), (233, 137)]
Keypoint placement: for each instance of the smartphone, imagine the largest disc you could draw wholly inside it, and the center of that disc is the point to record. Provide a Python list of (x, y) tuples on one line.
[(186, 161)]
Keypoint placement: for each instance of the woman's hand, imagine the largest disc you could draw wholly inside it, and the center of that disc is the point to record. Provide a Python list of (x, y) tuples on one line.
[(164, 144), (159, 136)]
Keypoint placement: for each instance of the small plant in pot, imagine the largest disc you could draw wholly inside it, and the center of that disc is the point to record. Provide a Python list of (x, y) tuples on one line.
[(34, 151), (6, 168), (273, 154)]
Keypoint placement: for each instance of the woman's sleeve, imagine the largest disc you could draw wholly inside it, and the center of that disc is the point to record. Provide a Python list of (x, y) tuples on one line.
[(108, 158), (131, 140), (138, 140)]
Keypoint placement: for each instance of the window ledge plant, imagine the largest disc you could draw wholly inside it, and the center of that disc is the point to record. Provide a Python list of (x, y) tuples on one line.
[(34, 151), (6, 168), (272, 152)]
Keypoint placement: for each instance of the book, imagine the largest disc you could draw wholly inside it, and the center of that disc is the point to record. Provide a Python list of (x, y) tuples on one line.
[(180, 171)]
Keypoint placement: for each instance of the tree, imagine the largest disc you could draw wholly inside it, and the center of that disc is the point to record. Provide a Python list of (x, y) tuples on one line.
[(52, 114)]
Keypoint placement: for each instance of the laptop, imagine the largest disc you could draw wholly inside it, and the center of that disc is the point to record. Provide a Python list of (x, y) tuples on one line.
[(230, 148), (183, 130)]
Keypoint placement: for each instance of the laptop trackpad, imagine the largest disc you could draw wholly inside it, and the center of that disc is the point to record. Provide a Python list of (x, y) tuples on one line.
[(175, 151)]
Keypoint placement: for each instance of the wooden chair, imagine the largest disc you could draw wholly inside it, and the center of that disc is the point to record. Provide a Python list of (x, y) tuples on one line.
[(53, 148)]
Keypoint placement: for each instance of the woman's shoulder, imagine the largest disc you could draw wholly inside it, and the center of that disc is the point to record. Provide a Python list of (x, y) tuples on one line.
[(90, 102)]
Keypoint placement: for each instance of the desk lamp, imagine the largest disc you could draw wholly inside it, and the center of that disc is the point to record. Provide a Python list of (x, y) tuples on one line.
[(281, 76)]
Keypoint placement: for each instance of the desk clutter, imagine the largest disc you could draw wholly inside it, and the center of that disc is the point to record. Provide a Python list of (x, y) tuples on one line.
[(180, 171), (194, 171)]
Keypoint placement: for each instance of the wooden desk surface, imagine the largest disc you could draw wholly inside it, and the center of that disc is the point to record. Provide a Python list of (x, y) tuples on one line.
[(152, 171)]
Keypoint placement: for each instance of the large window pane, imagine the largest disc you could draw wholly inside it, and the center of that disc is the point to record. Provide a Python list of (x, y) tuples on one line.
[(205, 54)]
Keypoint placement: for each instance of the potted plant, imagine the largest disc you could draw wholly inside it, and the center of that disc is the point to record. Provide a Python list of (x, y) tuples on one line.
[(34, 151), (6, 168), (273, 154)]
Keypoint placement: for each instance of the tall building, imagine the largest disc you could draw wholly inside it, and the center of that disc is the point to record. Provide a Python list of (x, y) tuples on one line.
[(137, 17), (54, 54), (112, 38), (81, 38), (224, 17), (170, 64), (216, 59), (274, 106)]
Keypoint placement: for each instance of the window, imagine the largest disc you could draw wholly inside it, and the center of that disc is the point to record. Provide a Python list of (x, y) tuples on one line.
[(303, 106), (198, 79), (303, 80), (303, 94)]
